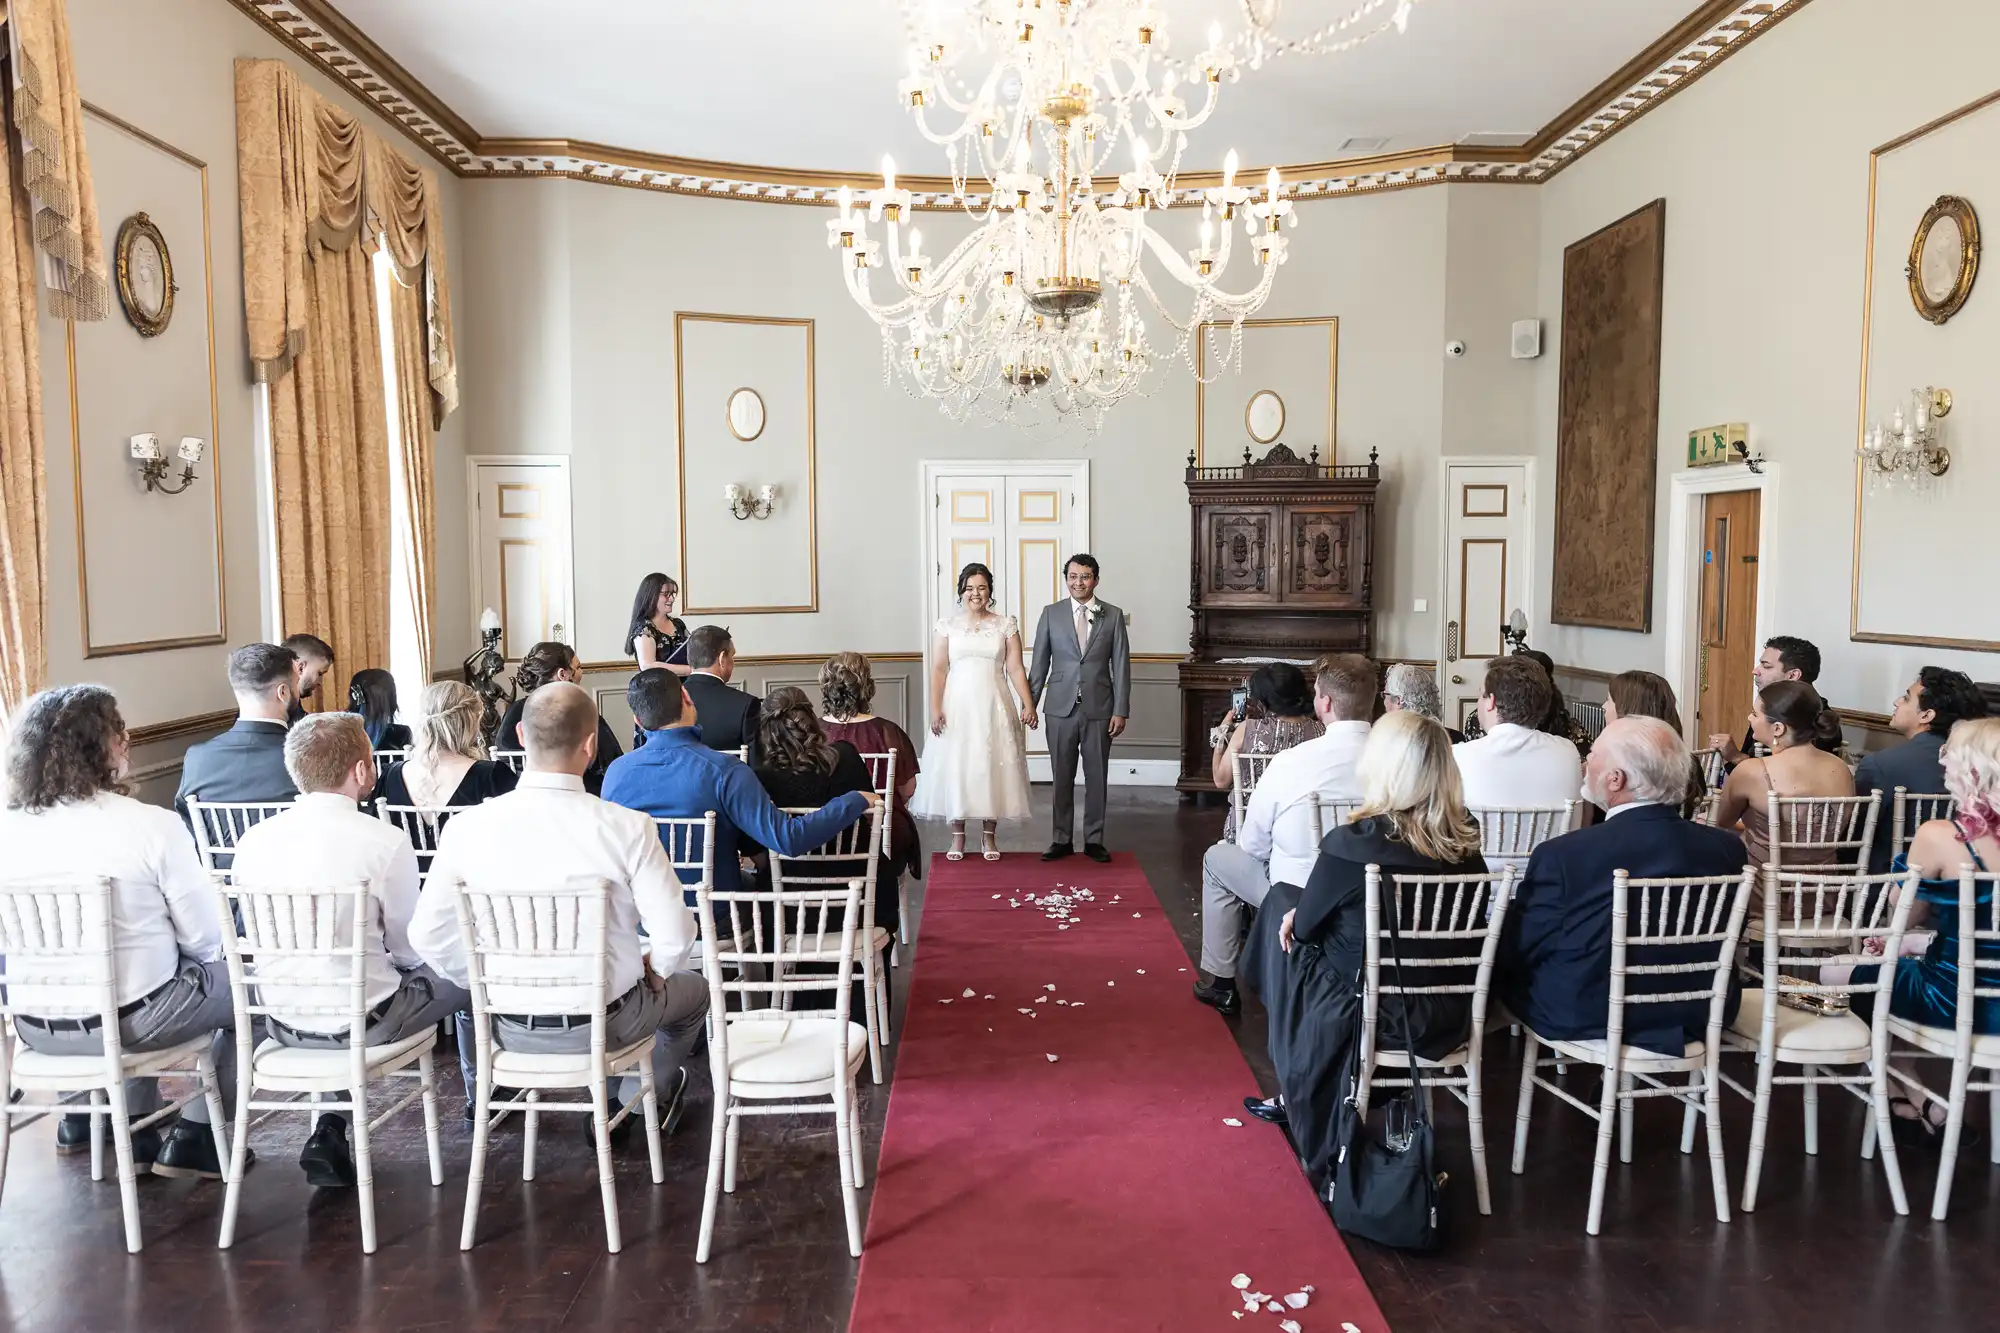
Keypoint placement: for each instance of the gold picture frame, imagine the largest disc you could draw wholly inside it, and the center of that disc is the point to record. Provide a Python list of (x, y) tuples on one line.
[(150, 324), (1959, 210)]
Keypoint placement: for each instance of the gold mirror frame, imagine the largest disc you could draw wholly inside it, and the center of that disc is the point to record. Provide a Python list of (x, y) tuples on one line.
[(729, 413), (1959, 210), (1250, 408), (149, 326)]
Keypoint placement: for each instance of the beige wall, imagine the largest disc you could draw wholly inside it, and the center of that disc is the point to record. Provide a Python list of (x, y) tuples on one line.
[(166, 66), (1764, 167)]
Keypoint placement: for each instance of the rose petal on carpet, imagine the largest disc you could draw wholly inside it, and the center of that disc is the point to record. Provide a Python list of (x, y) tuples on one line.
[(1099, 1190)]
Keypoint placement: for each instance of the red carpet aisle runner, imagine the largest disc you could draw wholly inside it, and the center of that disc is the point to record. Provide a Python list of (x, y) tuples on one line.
[(1100, 1191)]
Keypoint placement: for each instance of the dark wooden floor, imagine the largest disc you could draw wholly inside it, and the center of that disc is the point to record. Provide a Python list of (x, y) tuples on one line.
[(1824, 1248)]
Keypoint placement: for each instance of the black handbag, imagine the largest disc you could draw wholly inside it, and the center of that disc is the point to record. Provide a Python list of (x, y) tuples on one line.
[(1384, 1185)]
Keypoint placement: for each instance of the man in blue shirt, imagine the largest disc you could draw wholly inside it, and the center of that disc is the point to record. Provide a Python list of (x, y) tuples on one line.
[(675, 775)]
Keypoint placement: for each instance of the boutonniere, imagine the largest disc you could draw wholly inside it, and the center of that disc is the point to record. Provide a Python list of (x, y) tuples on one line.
[(1093, 612)]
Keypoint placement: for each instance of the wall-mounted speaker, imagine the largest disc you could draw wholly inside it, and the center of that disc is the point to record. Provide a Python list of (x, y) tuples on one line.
[(1527, 340)]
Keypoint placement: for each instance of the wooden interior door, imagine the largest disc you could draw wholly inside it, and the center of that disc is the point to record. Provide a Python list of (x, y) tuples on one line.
[(522, 538), (1485, 575), (1729, 525)]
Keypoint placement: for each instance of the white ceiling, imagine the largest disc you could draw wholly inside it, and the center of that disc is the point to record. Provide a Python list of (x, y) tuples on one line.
[(811, 84)]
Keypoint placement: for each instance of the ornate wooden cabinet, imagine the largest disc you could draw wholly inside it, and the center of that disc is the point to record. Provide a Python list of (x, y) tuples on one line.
[(1282, 565)]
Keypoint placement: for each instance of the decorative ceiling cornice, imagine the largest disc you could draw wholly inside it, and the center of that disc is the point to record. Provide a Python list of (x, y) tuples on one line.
[(321, 34)]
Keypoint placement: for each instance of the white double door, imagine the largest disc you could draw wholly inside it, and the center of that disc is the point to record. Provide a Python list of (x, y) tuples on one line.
[(1487, 525), (522, 559), (1022, 520)]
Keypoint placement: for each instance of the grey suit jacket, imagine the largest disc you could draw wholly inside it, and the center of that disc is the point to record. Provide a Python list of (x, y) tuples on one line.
[(244, 763), (1914, 766), (1096, 682)]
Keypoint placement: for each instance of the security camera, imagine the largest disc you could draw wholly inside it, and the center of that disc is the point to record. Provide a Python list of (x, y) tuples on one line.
[(1454, 349)]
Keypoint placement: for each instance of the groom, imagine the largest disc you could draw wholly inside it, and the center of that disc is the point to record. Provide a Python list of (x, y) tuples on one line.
[(1081, 679)]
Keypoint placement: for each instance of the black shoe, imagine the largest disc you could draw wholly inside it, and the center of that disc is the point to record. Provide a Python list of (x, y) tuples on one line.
[(188, 1153), (1271, 1112), (673, 1105), (73, 1134), (1223, 999), (325, 1159), (1095, 851), (499, 1095), (1057, 851)]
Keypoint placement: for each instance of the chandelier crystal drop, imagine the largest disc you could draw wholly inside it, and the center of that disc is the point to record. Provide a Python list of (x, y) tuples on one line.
[(1909, 452), (1045, 302)]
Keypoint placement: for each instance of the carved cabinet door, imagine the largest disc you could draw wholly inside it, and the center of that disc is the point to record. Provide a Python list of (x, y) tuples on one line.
[(1239, 556), (1325, 557)]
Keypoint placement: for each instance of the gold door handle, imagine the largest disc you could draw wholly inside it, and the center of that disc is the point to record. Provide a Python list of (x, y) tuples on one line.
[(1451, 641), (1458, 680)]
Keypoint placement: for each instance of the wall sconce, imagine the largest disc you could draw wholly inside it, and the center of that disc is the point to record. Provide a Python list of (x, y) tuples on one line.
[(741, 505), (153, 464), (1909, 450), (1515, 631)]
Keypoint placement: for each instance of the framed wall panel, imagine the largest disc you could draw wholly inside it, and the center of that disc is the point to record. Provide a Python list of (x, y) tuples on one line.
[(1299, 360)]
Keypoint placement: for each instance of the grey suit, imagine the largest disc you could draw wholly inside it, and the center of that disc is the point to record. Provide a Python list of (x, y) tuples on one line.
[(244, 763), (1079, 689), (1914, 766)]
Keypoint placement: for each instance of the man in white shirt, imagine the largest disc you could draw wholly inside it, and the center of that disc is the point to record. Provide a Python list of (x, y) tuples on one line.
[(67, 816), (548, 830), (1514, 766), (325, 841), (1275, 843)]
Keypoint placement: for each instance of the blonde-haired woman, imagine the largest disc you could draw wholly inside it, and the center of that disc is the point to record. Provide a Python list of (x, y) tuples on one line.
[(1412, 821), (446, 764)]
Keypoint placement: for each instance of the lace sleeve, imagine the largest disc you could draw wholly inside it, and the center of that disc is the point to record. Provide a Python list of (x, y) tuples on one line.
[(1010, 629), (942, 629)]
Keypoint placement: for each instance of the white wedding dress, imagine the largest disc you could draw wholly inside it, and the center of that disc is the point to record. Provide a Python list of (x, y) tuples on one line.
[(978, 769)]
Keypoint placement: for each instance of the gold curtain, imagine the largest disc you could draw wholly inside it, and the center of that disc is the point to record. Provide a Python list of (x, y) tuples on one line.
[(313, 181), (47, 118), (23, 518)]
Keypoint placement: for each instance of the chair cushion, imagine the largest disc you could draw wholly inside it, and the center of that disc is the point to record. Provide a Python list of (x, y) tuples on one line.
[(278, 1061), (1631, 1058), (791, 1050), (521, 1069), (1944, 1041), (877, 938), (1800, 1032), (37, 1071)]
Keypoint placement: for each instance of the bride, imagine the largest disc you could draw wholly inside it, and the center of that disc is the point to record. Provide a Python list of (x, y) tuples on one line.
[(977, 766)]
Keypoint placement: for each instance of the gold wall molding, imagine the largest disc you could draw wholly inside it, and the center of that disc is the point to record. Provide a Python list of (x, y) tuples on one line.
[(193, 725), (316, 31), (1332, 326), (214, 460)]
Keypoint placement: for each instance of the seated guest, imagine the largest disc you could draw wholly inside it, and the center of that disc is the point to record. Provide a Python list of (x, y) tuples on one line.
[(1802, 734), (247, 762), (1924, 716), (447, 764), (847, 691), (324, 839), (728, 715), (674, 776), (549, 830), (1558, 720), (1926, 986), (1275, 844), (1554, 966), (314, 659), (654, 633), (372, 694), (545, 663), (1412, 821), (800, 768), (1278, 715), (1513, 764), (1784, 658), (69, 814), (1407, 685), (1645, 694)]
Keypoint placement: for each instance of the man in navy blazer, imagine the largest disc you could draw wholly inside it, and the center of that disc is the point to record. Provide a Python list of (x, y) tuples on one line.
[(247, 762), (1554, 967), (1925, 714)]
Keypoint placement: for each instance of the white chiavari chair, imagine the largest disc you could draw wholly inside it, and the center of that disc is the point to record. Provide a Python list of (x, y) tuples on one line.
[(1713, 770), (388, 759), (423, 825), (839, 862), (1792, 1018), (542, 952), (882, 774), (1508, 836), (514, 759), (1910, 811), (1677, 939), (218, 825), (289, 954), (56, 964), (1822, 832), (1329, 812), (1977, 955), (773, 1061), (690, 844), (1448, 929), (1249, 769)]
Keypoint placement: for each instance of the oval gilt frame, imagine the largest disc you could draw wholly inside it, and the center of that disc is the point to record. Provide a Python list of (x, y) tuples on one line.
[(1250, 411), (1959, 210), (149, 326)]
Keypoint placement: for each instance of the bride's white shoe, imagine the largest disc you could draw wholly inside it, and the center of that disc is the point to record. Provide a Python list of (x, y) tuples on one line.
[(992, 851), (957, 852)]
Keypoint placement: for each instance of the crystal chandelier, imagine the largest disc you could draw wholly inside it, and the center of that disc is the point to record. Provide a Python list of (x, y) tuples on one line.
[(1044, 302), (1909, 451)]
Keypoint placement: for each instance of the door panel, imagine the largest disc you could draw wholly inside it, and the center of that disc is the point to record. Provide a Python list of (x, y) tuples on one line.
[(1485, 575), (1319, 568), (523, 539), (1730, 523)]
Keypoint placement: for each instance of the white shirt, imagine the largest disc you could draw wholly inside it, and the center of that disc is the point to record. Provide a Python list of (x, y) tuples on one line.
[(163, 905), (323, 841), (1612, 812), (1513, 768), (548, 831), (1277, 826)]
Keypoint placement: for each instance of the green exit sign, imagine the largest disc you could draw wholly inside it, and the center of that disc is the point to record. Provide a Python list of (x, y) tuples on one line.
[(1712, 445)]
